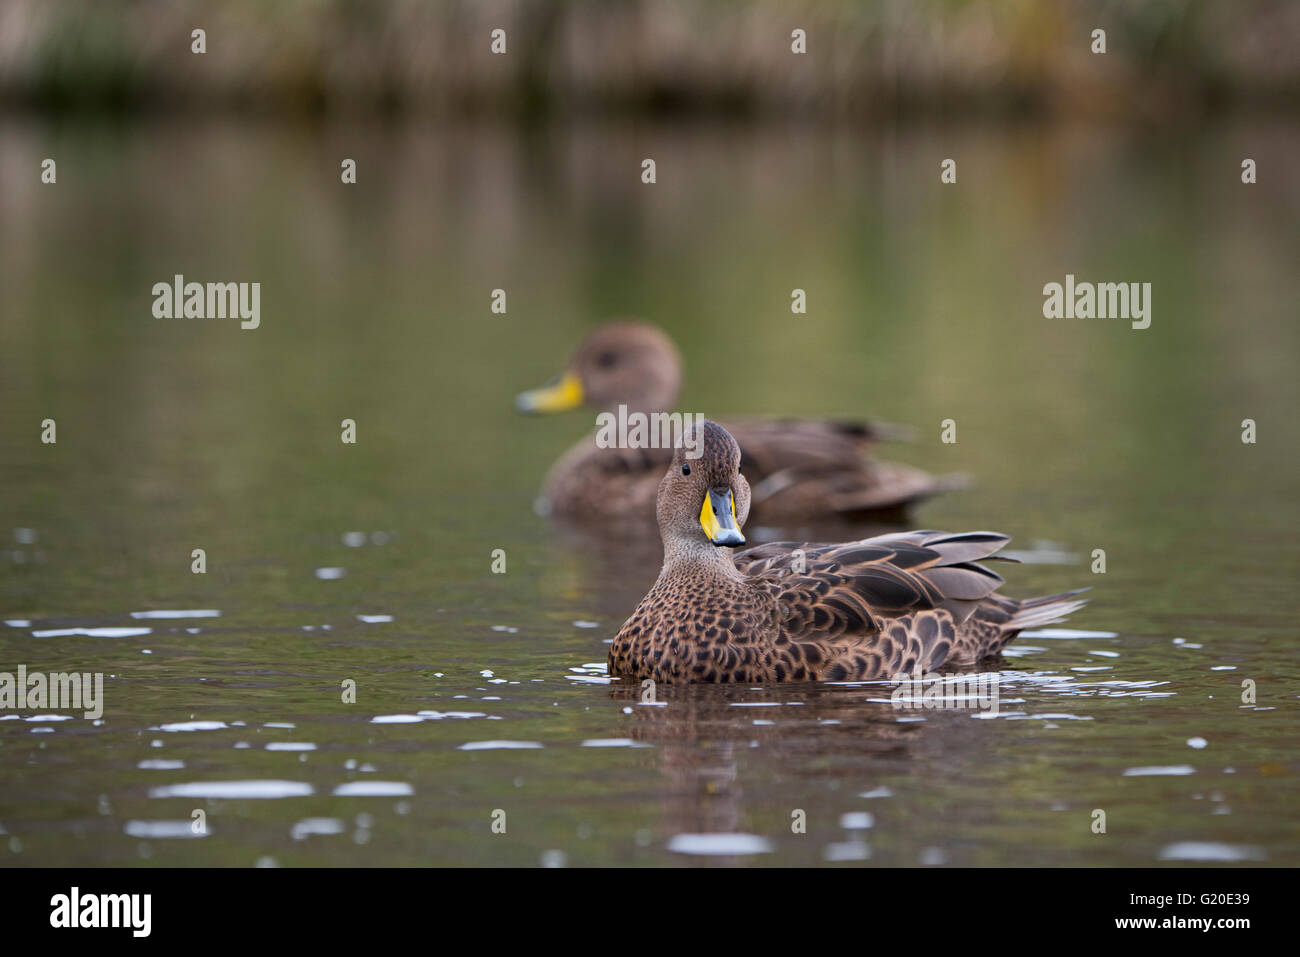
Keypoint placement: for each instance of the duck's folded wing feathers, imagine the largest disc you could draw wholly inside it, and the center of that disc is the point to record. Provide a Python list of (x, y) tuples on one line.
[(769, 446), (853, 588)]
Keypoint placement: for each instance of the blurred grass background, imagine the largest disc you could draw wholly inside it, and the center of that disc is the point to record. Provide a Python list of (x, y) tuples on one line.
[(1165, 58)]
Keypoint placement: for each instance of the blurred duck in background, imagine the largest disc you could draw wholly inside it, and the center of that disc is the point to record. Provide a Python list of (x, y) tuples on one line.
[(798, 469)]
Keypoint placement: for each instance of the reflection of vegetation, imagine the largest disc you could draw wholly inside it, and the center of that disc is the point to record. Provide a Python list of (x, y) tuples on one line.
[(906, 55)]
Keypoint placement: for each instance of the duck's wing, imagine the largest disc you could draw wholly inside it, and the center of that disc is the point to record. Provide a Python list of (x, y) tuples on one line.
[(808, 466), (768, 446), (858, 588)]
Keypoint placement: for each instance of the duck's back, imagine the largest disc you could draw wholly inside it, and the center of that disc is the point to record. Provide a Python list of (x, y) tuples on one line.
[(898, 602), (797, 468)]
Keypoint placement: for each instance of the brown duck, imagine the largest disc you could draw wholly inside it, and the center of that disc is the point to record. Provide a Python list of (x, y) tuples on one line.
[(789, 611), (797, 468)]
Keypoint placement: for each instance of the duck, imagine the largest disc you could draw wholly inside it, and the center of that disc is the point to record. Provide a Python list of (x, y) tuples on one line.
[(798, 469), (806, 611)]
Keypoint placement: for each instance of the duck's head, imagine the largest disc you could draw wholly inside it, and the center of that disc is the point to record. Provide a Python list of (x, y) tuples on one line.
[(619, 363), (704, 501)]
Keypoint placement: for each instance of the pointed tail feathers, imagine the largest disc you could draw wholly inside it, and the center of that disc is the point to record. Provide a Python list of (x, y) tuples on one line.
[(1035, 612)]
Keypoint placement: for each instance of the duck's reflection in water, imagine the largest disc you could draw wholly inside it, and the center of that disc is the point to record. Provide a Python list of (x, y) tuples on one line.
[(703, 734)]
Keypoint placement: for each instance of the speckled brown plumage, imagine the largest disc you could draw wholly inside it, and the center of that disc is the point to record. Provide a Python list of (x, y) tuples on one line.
[(790, 611), (798, 468)]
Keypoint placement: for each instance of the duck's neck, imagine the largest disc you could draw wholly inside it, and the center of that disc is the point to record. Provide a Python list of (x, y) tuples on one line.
[(697, 557)]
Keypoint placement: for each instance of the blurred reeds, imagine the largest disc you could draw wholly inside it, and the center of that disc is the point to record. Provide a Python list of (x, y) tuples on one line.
[(1165, 58)]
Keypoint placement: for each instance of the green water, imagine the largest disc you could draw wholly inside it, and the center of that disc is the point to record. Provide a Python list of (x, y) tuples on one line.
[(924, 304)]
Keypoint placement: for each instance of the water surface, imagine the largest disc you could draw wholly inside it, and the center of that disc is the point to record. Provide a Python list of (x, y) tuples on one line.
[(480, 693)]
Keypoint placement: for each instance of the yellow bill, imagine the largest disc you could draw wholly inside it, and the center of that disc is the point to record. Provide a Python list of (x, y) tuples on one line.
[(559, 396), (718, 518)]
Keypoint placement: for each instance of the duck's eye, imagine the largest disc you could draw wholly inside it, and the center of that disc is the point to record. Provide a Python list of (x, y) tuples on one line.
[(686, 470), (607, 360)]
